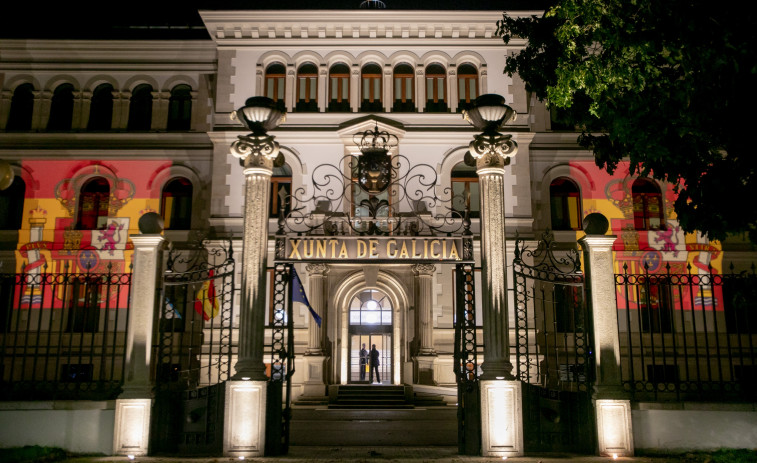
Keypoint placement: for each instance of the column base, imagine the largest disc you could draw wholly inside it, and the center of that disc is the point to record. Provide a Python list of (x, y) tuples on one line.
[(131, 434), (501, 418), (314, 385), (244, 419), (614, 428), (424, 369)]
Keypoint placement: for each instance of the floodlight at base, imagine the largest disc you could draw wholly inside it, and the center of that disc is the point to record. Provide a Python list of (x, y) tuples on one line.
[(130, 457), (131, 433), (244, 419), (614, 431), (501, 418)]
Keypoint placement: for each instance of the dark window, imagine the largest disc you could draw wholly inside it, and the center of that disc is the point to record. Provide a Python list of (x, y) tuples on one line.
[(436, 89), (101, 108), (465, 192), (140, 108), (339, 87), (404, 100), (565, 204), (180, 108), (647, 205), (281, 187), (371, 89), (61, 108), (739, 295), (307, 88), (568, 308), (22, 107), (83, 307), (12, 205), (467, 85), (656, 308), (275, 75), (176, 204), (94, 202)]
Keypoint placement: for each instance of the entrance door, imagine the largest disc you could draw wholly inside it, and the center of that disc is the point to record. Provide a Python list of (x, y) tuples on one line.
[(370, 324)]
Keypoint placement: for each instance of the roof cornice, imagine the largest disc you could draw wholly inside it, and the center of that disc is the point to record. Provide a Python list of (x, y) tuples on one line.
[(244, 26)]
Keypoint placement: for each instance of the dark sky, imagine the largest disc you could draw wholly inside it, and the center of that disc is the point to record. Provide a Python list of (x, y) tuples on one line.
[(151, 19)]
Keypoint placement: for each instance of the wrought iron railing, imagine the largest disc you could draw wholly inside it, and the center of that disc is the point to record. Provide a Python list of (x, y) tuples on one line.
[(688, 336), (63, 334)]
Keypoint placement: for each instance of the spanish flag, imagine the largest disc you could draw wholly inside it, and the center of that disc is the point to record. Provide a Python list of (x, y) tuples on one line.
[(206, 303)]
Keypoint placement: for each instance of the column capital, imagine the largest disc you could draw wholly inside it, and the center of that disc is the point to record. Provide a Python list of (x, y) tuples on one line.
[(424, 269), (317, 269), (597, 242), (492, 151), (147, 241), (255, 151)]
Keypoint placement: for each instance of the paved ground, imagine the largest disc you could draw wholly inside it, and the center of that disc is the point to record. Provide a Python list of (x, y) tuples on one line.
[(378, 455)]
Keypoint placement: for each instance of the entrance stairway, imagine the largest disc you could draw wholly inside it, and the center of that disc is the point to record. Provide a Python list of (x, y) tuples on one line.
[(363, 415)]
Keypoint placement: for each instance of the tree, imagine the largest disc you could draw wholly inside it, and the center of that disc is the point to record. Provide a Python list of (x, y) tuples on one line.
[(667, 85)]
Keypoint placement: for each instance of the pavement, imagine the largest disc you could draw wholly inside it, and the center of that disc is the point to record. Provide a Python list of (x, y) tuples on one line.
[(302, 454)]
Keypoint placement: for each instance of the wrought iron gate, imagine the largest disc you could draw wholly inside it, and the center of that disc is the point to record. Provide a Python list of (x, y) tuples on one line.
[(193, 354), (466, 363), (554, 353)]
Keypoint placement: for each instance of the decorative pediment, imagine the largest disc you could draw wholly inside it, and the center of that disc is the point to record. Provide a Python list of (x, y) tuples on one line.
[(348, 129)]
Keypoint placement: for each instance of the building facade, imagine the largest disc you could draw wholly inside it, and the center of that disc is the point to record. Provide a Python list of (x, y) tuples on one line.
[(99, 133)]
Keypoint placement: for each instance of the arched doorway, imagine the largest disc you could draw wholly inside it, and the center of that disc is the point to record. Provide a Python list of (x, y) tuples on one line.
[(370, 324)]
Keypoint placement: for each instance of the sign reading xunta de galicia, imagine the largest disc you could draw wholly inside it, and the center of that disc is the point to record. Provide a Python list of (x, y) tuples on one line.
[(378, 248)]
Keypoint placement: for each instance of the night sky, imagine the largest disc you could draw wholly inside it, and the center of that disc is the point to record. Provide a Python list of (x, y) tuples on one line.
[(151, 19)]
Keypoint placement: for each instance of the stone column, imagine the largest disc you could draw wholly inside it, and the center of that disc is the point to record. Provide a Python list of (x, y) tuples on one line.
[(452, 97), (197, 115), (323, 88), (290, 88), (121, 102), (132, 422), (82, 104), (613, 409), (6, 98), (315, 358), (159, 110), (425, 358), (356, 91), (41, 111), (420, 89), (501, 394)]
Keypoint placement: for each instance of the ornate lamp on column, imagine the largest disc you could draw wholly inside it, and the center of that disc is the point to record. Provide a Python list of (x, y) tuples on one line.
[(490, 151), (258, 152)]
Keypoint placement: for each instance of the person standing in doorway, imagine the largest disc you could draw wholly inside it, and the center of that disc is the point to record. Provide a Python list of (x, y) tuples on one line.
[(363, 362), (375, 364)]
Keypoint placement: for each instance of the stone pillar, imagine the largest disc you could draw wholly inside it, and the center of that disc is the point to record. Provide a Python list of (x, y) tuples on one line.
[(6, 98), (82, 103), (420, 88), (323, 88), (613, 409), (501, 394), (121, 101), (41, 111), (290, 88), (315, 358), (387, 88), (159, 110), (452, 98), (197, 115), (424, 327), (132, 423), (356, 90)]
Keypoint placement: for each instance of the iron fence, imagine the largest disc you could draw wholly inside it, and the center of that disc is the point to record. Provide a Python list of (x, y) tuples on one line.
[(688, 336), (63, 334)]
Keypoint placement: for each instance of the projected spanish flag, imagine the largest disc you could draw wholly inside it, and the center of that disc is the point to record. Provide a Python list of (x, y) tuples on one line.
[(206, 303)]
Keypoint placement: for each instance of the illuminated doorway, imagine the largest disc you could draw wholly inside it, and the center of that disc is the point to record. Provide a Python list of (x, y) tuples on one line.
[(370, 323)]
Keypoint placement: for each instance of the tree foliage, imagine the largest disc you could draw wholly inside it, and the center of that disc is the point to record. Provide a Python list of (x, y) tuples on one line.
[(668, 85)]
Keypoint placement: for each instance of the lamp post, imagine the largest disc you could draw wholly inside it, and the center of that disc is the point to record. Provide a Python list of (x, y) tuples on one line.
[(490, 151), (246, 393)]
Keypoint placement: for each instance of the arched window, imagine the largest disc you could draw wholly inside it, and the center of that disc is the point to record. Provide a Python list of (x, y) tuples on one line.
[(101, 108), (436, 89), (176, 204), (22, 106), (467, 85), (61, 108), (647, 205), (465, 192), (307, 87), (180, 108), (404, 99), (339, 87), (281, 187), (275, 75), (565, 204), (94, 202), (12, 205), (140, 108), (371, 88)]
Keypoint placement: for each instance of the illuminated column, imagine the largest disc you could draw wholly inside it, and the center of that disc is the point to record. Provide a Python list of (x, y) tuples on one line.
[(420, 88), (316, 297), (323, 90), (426, 355), (132, 422), (356, 93), (501, 394), (315, 360), (614, 431)]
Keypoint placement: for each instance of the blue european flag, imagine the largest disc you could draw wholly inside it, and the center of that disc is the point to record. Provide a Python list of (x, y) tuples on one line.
[(298, 295)]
